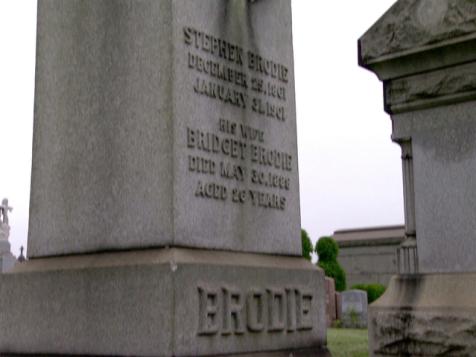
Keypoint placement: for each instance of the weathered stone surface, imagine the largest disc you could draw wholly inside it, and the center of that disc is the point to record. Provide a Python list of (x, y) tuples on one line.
[(425, 52), (163, 123), (414, 25), (168, 302), (417, 36), (427, 315), (354, 308), (430, 90)]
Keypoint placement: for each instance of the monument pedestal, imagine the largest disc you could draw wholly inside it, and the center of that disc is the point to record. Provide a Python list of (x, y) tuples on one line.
[(425, 315), (164, 302)]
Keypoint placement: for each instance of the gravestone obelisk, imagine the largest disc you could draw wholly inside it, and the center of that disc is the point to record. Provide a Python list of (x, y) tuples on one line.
[(424, 52), (164, 211)]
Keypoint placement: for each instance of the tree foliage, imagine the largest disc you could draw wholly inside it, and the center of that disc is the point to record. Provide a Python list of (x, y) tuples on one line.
[(307, 247), (328, 250)]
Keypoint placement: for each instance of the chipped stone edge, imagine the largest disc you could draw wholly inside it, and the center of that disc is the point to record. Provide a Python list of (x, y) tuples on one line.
[(424, 311)]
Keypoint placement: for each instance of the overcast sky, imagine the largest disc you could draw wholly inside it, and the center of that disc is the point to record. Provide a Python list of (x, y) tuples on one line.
[(350, 171)]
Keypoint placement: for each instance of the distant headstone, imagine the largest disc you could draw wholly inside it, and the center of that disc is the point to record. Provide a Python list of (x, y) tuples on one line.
[(354, 308), (164, 147), (424, 51), (338, 306), (331, 311)]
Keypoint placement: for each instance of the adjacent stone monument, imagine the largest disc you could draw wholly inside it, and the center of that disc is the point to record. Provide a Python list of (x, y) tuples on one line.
[(7, 259), (424, 52), (164, 211)]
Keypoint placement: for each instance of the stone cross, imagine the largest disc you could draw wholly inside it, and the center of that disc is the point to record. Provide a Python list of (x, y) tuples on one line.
[(21, 258), (4, 208)]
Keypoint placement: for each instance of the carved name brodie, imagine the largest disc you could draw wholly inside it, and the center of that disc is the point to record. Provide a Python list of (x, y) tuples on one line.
[(228, 310)]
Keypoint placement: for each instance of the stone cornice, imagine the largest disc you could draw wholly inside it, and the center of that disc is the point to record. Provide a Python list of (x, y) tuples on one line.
[(450, 85), (420, 35), (413, 24)]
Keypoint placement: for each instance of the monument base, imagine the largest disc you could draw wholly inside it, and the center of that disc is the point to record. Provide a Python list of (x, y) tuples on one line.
[(163, 302), (307, 352), (425, 315)]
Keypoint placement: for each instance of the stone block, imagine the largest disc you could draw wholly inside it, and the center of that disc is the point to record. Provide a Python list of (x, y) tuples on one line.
[(168, 302), (425, 315), (338, 306), (162, 123), (354, 308), (330, 301)]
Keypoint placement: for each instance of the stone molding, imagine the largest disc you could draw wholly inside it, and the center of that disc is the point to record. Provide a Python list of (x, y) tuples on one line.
[(416, 25), (450, 85)]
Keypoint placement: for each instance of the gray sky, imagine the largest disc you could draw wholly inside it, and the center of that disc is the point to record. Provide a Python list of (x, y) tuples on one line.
[(350, 173)]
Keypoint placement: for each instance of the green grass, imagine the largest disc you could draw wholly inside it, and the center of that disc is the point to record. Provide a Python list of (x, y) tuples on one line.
[(348, 342)]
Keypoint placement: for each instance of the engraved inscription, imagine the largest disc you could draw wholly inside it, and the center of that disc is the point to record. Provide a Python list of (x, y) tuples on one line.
[(232, 160), (208, 311), (228, 310), (242, 78), (239, 156)]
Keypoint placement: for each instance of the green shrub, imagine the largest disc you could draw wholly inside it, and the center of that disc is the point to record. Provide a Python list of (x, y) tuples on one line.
[(306, 245), (327, 250), (333, 270), (374, 291)]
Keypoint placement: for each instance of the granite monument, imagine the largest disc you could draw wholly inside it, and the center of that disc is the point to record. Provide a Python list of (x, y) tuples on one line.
[(424, 52), (164, 210)]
